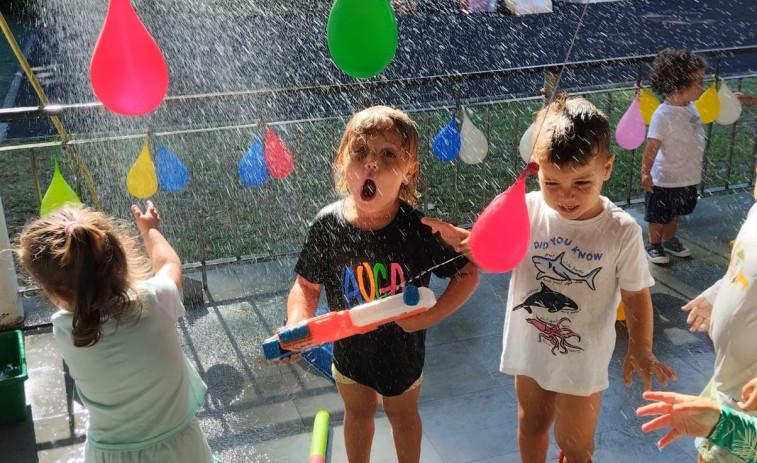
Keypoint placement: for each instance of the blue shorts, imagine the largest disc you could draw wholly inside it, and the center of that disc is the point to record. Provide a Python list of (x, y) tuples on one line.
[(665, 203)]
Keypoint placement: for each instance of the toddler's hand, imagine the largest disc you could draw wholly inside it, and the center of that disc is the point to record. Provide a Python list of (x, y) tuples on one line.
[(700, 312), (458, 238), (645, 363), (646, 182), (749, 396), (748, 100), (150, 219)]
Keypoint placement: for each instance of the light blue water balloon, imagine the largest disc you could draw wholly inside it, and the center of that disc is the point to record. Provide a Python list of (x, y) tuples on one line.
[(252, 167), (447, 142), (172, 173)]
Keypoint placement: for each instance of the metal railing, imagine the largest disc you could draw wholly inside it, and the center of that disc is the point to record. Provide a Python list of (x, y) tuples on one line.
[(217, 221)]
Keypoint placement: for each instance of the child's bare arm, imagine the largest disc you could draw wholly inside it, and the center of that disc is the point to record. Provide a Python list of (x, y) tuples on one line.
[(639, 318), (647, 160), (302, 301), (461, 286), (164, 259)]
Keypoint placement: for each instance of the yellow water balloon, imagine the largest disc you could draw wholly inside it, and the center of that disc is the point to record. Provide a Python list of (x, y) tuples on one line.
[(142, 179), (648, 104), (708, 104), (58, 194)]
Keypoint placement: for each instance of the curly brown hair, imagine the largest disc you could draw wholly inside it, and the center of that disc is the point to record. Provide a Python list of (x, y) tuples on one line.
[(673, 70)]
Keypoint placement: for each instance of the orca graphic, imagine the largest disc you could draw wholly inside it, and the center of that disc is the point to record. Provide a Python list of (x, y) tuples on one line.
[(555, 270), (548, 299)]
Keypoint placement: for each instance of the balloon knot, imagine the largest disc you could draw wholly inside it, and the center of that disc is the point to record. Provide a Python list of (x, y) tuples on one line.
[(532, 168)]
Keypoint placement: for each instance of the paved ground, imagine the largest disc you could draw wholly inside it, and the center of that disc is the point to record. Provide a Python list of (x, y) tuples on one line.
[(259, 413)]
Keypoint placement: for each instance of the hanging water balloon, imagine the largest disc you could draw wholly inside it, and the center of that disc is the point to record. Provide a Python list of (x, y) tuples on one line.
[(362, 36), (730, 106), (708, 104), (526, 145), (142, 180), (172, 173), (631, 131), (58, 194), (446, 143), (648, 105), (499, 238), (278, 158), (473, 144), (128, 72), (252, 167)]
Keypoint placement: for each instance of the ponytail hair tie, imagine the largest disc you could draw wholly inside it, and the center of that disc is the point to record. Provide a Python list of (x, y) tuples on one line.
[(67, 225)]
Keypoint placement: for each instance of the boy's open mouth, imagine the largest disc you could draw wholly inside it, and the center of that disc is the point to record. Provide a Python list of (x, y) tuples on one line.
[(369, 189)]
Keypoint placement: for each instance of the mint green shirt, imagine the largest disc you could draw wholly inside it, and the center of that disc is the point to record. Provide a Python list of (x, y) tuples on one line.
[(136, 382)]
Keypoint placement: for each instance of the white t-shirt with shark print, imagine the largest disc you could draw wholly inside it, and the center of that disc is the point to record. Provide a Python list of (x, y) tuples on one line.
[(563, 297)]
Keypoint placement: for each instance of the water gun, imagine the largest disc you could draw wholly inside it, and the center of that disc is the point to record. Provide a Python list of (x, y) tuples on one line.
[(333, 326)]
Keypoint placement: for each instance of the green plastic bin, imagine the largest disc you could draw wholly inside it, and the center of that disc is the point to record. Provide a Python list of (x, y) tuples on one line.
[(12, 377)]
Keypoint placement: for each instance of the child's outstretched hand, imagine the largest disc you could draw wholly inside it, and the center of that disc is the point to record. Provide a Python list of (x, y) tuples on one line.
[(700, 312), (749, 100), (749, 396), (458, 238), (149, 219), (685, 415), (644, 362)]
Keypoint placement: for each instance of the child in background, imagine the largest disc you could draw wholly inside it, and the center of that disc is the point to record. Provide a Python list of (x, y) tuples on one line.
[(671, 166), (586, 255), (367, 246), (749, 100), (728, 310), (116, 330)]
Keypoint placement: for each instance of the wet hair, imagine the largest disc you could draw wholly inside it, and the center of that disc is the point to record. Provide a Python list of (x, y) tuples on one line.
[(79, 255), (371, 121), (673, 70), (570, 131)]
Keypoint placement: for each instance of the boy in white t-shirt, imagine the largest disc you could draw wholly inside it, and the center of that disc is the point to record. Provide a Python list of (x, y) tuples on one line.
[(671, 166), (585, 255)]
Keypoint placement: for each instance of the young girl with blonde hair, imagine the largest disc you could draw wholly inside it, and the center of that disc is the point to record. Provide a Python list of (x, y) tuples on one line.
[(367, 246)]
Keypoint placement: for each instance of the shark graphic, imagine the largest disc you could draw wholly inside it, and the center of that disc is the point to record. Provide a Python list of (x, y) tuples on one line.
[(548, 299), (555, 270)]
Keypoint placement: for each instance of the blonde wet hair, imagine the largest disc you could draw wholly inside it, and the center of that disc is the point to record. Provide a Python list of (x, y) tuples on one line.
[(88, 260), (378, 120)]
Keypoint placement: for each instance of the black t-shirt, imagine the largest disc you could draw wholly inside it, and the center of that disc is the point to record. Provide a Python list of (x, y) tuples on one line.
[(356, 266)]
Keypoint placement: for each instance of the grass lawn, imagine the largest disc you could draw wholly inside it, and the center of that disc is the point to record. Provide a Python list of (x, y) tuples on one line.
[(216, 216)]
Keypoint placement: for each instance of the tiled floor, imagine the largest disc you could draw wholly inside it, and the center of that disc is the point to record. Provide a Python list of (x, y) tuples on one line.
[(260, 413)]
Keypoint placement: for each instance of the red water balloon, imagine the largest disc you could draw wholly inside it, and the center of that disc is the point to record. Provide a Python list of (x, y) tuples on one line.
[(128, 72), (500, 235), (277, 156)]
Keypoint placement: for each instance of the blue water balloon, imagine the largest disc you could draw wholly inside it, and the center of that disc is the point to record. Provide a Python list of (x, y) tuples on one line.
[(172, 173), (447, 142), (252, 168)]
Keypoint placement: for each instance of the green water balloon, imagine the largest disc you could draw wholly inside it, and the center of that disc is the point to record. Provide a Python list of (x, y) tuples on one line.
[(362, 36), (58, 194)]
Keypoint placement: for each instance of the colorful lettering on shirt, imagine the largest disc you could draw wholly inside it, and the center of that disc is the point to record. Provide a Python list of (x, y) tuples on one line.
[(364, 284)]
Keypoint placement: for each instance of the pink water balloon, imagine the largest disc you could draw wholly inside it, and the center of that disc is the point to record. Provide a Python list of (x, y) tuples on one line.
[(278, 158), (128, 72), (631, 131), (500, 235)]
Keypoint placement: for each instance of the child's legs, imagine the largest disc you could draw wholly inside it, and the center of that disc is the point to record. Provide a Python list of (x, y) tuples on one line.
[(536, 411), (658, 212), (402, 412), (669, 229), (360, 405), (655, 232), (575, 424)]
